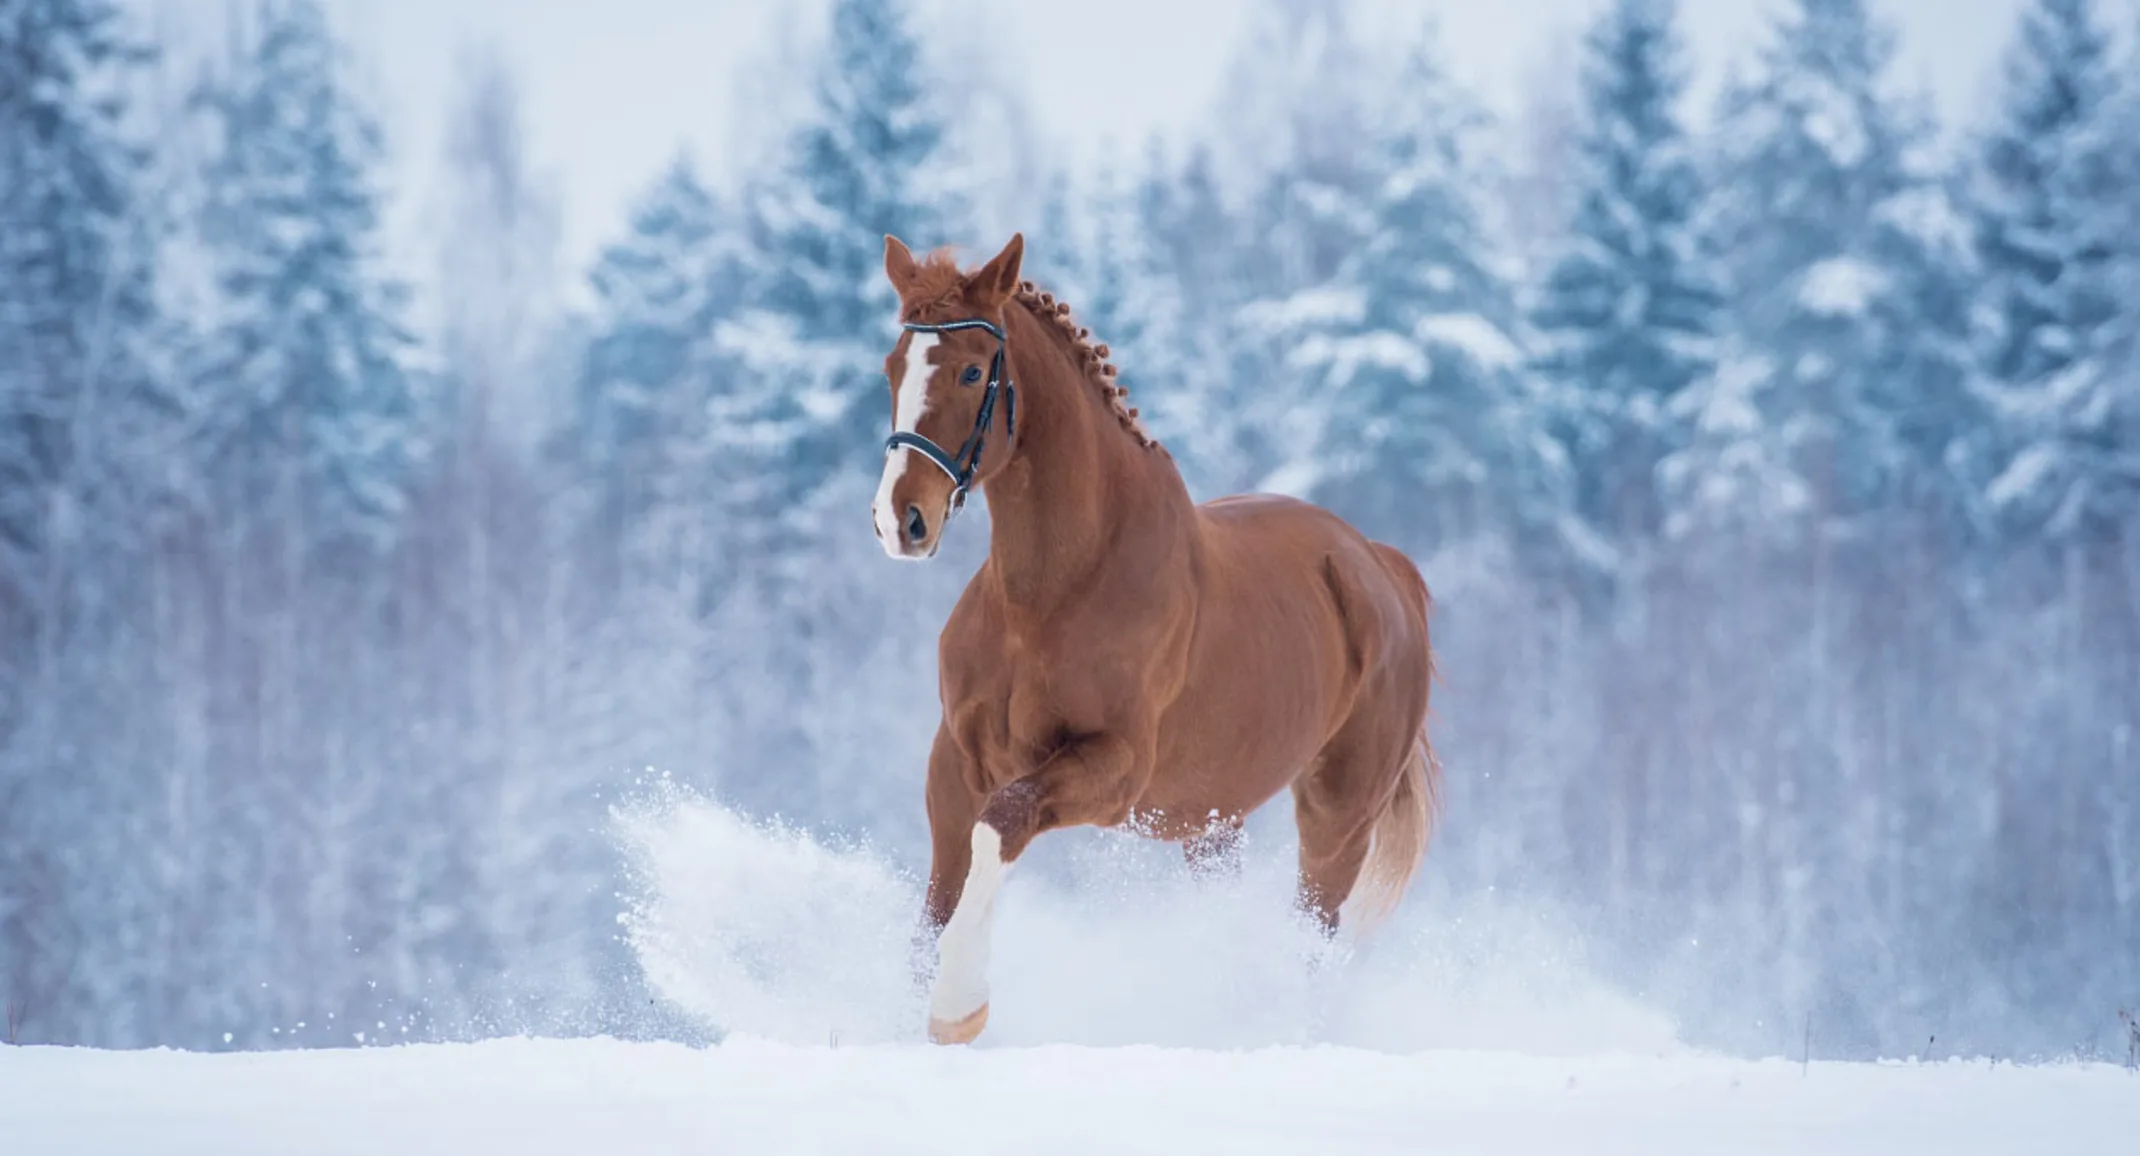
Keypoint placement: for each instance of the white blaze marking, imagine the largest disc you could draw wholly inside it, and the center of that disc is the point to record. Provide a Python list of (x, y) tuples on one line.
[(962, 959), (906, 418)]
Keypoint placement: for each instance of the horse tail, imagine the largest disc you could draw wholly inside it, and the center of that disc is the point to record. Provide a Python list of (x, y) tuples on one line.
[(1400, 838), (1406, 824)]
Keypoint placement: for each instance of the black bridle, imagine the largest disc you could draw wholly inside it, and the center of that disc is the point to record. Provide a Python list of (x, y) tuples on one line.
[(962, 467)]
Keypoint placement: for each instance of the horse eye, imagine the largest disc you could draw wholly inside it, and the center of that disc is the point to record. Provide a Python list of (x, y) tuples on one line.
[(972, 374)]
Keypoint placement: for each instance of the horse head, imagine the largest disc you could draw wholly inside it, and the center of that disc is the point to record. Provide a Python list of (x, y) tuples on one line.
[(954, 407)]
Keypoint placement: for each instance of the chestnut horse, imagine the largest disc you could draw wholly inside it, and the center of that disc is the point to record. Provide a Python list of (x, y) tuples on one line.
[(1125, 655)]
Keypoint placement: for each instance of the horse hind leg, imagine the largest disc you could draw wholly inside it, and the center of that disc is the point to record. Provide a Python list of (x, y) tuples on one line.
[(1341, 801), (1334, 841)]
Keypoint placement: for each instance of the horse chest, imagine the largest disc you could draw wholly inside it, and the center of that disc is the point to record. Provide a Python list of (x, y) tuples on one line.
[(1003, 708), (1015, 699)]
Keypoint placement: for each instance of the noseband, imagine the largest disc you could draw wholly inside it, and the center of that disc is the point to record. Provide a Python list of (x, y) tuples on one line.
[(962, 466)]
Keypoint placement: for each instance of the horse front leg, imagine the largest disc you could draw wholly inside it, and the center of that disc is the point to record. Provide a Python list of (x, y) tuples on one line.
[(1094, 780), (954, 797)]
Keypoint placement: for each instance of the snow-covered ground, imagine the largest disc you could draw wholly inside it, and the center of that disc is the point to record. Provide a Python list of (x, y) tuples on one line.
[(1135, 1010), (531, 1098)]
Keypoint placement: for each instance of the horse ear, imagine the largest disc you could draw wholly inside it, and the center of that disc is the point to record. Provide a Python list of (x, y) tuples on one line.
[(899, 264), (998, 279)]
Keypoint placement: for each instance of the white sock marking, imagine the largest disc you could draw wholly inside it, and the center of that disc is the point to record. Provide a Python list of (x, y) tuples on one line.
[(962, 951), (906, 418)]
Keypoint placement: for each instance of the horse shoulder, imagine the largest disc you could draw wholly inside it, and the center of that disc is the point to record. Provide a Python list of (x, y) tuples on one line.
[(1140, 624)]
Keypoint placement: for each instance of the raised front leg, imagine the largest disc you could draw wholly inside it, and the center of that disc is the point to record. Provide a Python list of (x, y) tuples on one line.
[(1094, 780)]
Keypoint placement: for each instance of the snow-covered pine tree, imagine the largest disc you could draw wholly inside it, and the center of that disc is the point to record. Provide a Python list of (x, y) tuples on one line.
[(640, 400), (1305, 94), (1134, 300), (864, 163), (1627, 314), (804, 412), (305, 392), (1126, 293), (1071, 254), (1816, 458), (665, 449), (1847, 382), (1059, 255), (496, 273), (1093, 251), (495, 792), (80, 475), (1301, 144), (2051, 196), (1102, 227), (75, 294), (305, 415), (1173, 311), (1104, 248), (1430, 433)]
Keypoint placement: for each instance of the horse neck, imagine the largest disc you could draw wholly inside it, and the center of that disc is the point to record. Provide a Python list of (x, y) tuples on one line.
[(1075, 476)]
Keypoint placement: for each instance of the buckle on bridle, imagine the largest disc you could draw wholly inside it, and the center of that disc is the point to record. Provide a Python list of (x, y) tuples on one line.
[(963, 466)]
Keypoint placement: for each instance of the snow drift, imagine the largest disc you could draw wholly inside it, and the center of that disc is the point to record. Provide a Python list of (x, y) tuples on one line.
[(1102, 939)]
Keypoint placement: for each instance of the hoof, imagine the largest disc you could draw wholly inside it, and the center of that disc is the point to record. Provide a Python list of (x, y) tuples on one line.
[(958, 1031)]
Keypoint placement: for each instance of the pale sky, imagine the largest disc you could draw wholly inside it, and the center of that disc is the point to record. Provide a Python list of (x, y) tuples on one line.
[(615, 87)]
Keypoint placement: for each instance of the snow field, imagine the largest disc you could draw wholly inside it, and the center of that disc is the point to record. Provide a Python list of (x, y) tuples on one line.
[(539, 1097), (1137, 1010)]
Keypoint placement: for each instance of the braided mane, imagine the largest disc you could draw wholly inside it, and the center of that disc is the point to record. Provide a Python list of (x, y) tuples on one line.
[(1092, 356), (939, 285)]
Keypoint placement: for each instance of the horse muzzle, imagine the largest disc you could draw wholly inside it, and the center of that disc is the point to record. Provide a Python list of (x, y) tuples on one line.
[(907, 533)]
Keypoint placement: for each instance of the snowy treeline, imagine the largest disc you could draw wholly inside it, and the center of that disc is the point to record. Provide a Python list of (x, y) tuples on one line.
[(1778, 479)]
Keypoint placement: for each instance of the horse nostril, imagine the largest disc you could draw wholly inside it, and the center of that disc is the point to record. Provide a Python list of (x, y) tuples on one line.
[(917, 529)]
